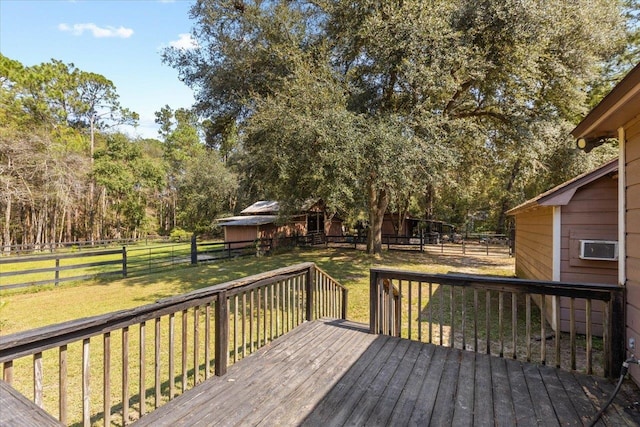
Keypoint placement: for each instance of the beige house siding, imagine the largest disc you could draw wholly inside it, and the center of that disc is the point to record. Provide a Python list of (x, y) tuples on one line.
[(632, 218), (534, 230)]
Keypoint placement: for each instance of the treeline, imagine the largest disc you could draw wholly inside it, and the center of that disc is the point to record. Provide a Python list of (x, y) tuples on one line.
[(447, 110), (66, 176)]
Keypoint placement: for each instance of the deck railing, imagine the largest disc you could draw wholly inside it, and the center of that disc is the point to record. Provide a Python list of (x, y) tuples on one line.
[(496, 316), (117, 366)]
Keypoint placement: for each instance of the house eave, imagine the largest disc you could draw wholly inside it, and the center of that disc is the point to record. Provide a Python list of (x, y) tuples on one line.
[(616, 109)]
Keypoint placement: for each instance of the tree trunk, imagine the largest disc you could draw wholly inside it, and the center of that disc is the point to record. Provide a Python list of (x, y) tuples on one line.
[(6, 238), (506, 197), (378, 202)]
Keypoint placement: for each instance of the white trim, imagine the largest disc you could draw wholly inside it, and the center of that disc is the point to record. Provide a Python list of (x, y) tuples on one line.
[(622, 209), (556, 242)]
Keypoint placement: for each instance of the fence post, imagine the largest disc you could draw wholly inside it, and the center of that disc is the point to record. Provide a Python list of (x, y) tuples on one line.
[(221, 334), (421, 240), (194, 250), (124, 261), (57, 279), (311, 279)]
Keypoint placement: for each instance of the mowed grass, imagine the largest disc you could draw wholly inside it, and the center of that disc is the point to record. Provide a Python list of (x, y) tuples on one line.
[(25, 310), (73, 263)]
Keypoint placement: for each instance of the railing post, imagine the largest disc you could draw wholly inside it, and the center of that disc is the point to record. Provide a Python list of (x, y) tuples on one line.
[(345, 302), (374, 320), (311, 279), (124, 261), (221, 334), (194, 250), (617, 333)]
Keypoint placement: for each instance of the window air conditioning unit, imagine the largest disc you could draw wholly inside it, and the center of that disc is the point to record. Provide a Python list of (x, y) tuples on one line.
[(599, 250)]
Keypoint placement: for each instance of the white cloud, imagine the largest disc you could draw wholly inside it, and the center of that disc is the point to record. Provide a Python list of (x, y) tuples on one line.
[(185, 41), (99, 32)]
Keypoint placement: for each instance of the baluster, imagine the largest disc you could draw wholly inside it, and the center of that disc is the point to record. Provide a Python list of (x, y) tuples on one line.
[(528, 325), (106, 385), (572, 332), (514, 324), (185, 373), (125, 376), (259, 311), (235, 328), (452, 304), (463, 325), (196, 345), (441, 292), (556, 315), (488, 319), (86, 407), (589, 336), (278, 310), (430, 303), (172, 362), (207, 340), (476, 306), (7, 372), (543, 330), (142, 382), (244, 320), (410, 303), (251, 321), (62, 384), (501, 321), (158, 381), (419, 311), (37, 380), (606, 339)]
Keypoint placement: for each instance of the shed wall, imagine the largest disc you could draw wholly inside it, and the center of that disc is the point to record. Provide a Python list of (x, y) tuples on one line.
[(592, 214), (534, 244)]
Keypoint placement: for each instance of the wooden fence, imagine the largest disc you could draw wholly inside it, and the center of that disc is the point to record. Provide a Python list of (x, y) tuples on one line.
[(496, 316), (56, 268), (127, 362)]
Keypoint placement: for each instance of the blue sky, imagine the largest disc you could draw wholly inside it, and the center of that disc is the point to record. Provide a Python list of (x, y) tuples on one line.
[(120, 39)]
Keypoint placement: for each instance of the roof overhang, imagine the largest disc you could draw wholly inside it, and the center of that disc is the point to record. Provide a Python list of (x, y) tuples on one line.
[(563, 193), (616, 109)]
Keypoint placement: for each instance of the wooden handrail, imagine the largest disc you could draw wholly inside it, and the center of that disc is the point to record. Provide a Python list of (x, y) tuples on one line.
[(396, 294), (248, 313)]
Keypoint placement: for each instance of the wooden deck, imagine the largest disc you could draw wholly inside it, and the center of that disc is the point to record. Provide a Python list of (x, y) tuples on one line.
[(334, 373)]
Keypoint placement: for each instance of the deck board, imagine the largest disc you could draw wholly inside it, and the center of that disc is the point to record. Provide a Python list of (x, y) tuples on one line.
[(334, 373)]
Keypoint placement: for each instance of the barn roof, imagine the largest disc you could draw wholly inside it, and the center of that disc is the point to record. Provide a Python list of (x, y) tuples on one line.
[(262, 207), (563, 193), (244, 221)]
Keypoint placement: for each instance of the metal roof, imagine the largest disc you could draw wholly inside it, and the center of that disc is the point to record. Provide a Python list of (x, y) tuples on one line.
[(244, 221), (262, 206)]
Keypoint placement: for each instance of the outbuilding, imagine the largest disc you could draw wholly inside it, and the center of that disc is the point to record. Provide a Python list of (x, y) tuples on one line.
[(570, 234)]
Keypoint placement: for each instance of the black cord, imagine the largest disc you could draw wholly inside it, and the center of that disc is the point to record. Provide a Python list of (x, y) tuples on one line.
[(623, 373)]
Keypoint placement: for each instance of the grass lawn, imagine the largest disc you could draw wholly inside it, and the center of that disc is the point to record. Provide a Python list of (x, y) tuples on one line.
[(29, 308), (32, 308)]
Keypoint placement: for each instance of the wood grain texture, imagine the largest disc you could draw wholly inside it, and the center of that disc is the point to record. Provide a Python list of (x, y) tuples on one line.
[(335, 373)]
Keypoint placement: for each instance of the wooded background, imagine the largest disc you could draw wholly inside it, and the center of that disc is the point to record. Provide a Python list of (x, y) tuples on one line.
[(449, 110)]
